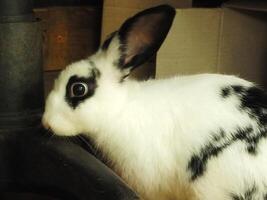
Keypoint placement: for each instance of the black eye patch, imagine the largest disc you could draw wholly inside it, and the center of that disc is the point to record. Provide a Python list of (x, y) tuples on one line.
[(79, 89)]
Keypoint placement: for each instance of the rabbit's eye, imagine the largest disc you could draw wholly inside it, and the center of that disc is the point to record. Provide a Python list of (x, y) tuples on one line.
[(78, 89)]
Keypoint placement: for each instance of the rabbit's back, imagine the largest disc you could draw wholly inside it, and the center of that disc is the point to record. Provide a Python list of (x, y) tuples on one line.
[(218, 131), (229, 152)]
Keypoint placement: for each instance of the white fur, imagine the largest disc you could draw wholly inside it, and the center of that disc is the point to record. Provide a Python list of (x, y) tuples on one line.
[(149, 130)]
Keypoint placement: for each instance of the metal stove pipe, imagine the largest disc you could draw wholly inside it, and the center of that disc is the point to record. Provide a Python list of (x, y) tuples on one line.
[(21, 81)]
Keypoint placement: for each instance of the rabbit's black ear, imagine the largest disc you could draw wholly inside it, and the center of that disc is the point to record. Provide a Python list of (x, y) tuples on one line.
[(141, 36)]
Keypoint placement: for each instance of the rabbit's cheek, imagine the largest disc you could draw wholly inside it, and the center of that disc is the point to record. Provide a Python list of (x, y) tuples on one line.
[(61, 126), (58, 117)]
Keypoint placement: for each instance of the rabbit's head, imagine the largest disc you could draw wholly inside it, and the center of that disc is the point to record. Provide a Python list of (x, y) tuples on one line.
[(87, 91)]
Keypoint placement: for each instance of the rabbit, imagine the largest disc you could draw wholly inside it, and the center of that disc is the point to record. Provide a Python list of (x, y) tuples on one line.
[(187, 137)]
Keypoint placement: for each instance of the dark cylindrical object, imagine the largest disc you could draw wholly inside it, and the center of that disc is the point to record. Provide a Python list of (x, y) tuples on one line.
[(19, 7), (16, 10), (21, 82)]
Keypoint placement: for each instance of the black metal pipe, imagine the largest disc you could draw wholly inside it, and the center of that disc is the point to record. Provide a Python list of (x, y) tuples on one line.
[(16, 10), (21, 82)]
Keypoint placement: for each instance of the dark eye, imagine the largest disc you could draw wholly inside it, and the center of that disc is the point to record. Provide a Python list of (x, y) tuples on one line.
[(78, 89)]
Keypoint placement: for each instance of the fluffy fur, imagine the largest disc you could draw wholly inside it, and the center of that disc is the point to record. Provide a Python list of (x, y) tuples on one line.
[(182, 138)]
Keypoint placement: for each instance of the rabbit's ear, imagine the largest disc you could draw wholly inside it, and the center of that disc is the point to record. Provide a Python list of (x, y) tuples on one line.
[(141, 36)]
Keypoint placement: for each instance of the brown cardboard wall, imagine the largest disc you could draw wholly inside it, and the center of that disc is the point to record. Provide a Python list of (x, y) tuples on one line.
[(191, 46), (231, 41), (243, 48)]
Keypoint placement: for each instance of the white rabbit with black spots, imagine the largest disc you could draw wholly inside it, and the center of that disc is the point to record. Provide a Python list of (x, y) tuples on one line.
[(198, 137)]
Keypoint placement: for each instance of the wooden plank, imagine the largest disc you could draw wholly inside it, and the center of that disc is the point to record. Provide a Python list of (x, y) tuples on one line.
[(70, 34)]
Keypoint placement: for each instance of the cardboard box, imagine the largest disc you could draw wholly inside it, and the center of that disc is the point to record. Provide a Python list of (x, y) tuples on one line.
[(115, 12), (231, 40)]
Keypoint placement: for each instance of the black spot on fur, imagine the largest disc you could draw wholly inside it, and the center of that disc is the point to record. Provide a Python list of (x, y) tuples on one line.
[(91, 85), (198, 162), (95, 72), (197, 166), (231, 90), (225, 92), (219, 142), (255, 101), (249, 194), (220, 136), (238, 88), (250, 137)]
